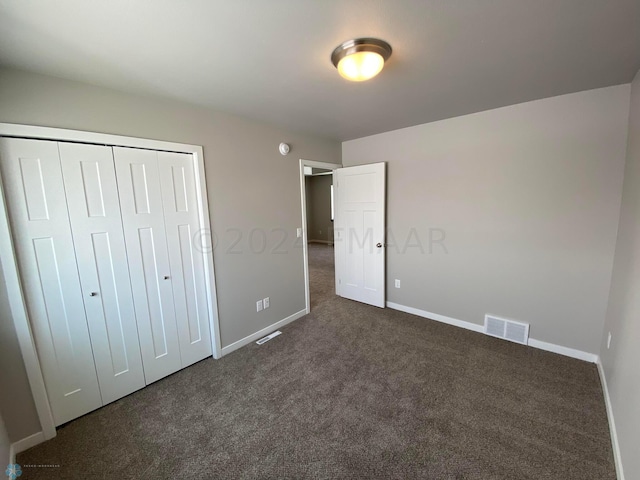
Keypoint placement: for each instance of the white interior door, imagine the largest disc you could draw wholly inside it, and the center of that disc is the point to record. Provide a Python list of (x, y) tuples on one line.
[(96, 224), (35, 194), (359, 236), (145, 236), (181, 218)]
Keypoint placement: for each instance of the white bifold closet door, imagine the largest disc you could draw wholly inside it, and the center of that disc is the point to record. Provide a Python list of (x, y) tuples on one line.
[(92, 197), (184, 241), (35, 194), (114, 281), (160, 218)]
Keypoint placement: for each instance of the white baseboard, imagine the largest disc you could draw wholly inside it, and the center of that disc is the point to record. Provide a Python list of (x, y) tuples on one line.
[(550, 347), (438, 318), (261, 333), (612, 424), (25, 444), (566, 351)]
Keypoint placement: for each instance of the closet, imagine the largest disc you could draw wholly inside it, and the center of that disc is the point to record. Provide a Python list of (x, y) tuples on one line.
[(112, 274)]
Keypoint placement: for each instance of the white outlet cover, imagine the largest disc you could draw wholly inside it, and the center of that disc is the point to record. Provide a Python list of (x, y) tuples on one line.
[(298, 232), (259, 306), (397, 283), (266, 302)]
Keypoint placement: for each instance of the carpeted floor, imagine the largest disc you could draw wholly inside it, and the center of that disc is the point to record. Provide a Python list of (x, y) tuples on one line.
[(350, 391)]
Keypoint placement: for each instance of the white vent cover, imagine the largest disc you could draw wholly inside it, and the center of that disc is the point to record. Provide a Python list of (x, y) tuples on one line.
[(506, 329), (269, 337)]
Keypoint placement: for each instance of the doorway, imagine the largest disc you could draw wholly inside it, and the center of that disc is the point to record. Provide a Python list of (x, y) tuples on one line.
[(316, 187)]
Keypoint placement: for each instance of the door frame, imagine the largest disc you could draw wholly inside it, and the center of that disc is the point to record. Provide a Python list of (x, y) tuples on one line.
[(303, 203), (9, 263)]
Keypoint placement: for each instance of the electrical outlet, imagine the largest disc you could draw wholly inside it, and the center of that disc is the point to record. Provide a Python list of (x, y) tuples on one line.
[(397, 283), (609, 341), (266, 302), (298, 232), (259, 306)]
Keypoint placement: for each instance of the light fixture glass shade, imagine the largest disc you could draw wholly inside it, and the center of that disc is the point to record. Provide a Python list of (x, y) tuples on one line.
[(361, 58), (360, 66)]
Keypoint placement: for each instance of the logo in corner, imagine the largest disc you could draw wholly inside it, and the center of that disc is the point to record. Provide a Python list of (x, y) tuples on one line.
[(13, 471)]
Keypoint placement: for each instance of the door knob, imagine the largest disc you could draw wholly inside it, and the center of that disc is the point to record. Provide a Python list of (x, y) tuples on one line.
[(379, 245), (166, 277), (93, 294)]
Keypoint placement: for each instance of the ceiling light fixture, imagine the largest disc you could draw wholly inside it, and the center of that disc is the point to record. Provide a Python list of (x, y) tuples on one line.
[(360, 59)]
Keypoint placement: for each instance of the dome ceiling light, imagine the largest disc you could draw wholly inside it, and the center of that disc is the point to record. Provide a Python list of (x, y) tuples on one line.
[(360, 59)]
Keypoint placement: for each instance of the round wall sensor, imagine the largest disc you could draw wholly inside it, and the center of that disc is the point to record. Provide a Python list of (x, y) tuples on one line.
[(284, 148)]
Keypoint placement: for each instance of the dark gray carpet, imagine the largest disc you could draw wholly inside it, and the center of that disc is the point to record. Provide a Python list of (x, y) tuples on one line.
[(350, 391)]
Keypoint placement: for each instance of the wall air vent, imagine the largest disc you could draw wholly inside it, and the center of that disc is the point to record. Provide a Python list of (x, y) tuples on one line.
[(506, 329)]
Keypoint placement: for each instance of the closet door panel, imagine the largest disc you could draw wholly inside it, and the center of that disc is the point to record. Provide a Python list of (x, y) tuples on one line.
[(177, 179), (44, 247), (96, 224), (143, 221)]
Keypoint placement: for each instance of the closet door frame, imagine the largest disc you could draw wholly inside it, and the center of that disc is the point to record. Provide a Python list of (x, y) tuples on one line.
[(12, 275)]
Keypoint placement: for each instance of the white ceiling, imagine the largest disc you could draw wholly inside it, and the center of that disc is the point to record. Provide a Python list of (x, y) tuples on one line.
[(269, 59)]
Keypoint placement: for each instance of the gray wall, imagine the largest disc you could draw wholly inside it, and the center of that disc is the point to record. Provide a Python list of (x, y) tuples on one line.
[(621, 362), (319, 224), (528, 200), (252, 188), (4, 446), (16, 402)]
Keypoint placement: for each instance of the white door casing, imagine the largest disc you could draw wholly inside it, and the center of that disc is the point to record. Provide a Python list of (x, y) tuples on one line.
[(35, 194), (96, 224), (359, 236), (181, 218), (304, 164), (143, 220)]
